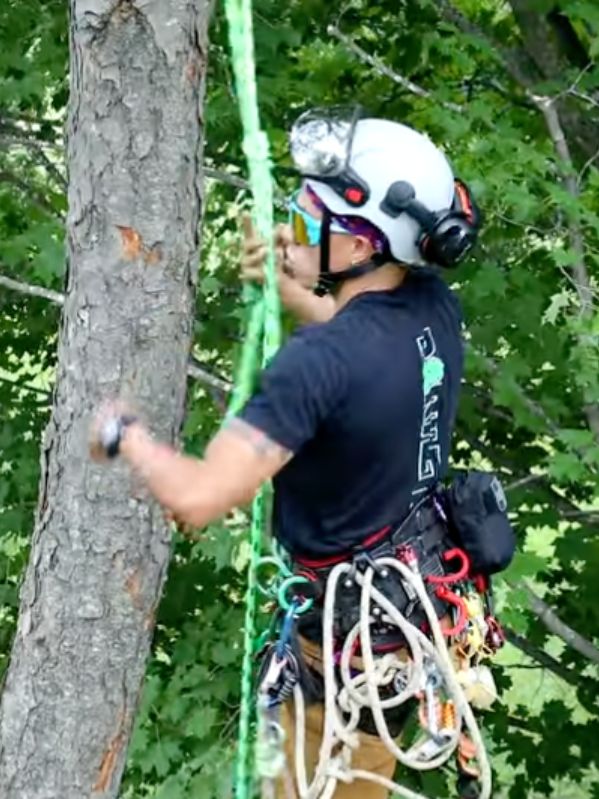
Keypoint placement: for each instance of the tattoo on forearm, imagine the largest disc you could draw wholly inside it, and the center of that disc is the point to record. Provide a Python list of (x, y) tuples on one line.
[(261, 443)]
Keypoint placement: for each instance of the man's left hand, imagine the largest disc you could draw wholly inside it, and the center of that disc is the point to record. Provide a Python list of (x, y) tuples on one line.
[(108, 428)]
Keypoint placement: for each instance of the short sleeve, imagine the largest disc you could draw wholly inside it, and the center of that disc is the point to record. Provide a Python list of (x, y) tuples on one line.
[(304, 384)]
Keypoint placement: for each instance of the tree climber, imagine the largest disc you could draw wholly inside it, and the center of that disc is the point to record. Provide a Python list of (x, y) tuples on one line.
[(354, 416)]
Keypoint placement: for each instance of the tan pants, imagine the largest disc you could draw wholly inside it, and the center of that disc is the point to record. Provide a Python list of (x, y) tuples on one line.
[(372, 754)]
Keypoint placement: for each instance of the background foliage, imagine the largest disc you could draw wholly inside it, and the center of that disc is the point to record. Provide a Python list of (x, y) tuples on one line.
[(501, 86)]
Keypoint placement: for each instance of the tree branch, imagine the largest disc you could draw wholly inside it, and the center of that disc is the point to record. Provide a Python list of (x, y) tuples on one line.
[(566, 507), (547, 661), (522, 481), (33, 196), (547, 107), (516, 62), (587, 165), (583, 288), (26, 387), (194, 369), (539, 411), (225, 177), (32, 291), (586, 515), (38, 149), (533, 407), (382, 69), (556, 626), (240, 183)]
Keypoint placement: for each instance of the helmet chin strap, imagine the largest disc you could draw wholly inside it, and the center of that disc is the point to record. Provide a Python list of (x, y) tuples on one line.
[(329, 281)]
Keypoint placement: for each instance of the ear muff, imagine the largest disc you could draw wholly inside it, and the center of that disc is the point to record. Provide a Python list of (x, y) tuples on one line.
[(455, 231), (446, 236)]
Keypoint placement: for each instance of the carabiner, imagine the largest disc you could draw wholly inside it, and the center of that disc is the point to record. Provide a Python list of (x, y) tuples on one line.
[(453, 599), (285, 603), (455, 577)]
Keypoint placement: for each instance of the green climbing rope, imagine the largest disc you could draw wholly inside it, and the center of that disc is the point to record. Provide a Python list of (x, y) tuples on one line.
[(263, 337)]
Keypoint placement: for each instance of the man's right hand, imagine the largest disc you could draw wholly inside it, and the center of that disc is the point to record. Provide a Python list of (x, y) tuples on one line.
[(253, 258), (298, 299)]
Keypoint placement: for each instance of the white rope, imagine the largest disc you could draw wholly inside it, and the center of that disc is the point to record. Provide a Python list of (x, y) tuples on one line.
[(363, 691)]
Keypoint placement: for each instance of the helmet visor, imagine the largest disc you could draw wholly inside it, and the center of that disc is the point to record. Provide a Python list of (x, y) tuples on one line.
[(321, 141)]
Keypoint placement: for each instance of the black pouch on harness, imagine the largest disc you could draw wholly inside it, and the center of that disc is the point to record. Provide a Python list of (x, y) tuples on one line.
[(477, 512)]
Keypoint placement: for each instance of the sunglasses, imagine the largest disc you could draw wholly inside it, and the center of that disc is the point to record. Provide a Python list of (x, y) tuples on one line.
[(306, 228)]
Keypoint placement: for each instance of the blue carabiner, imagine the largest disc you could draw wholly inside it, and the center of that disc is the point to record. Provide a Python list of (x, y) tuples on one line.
[(285, 636), (282, 594)]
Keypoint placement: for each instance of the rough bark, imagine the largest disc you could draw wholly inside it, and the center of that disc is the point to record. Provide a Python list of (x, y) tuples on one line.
[(100, 552)]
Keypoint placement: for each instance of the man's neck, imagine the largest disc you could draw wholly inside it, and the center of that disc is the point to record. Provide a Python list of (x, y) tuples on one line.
[(385, 278)]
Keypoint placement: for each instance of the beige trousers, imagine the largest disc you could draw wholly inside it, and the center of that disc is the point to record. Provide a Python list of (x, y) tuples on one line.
[(372, 754)]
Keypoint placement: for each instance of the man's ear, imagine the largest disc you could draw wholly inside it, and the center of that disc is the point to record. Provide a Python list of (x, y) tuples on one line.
[(363, 250)]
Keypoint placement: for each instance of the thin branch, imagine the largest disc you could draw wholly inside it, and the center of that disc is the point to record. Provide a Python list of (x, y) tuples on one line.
[(522, 225), (199, 373), (533, 407), (239, 183), (194, 369), (522, 481), (587, 165), (22, 140), (26, 387), (547, 661), (572, 88), (583, 287), (575, 285), (537, 410), (586, 97), (556, 626), (33, 196), (590, 516), (514, 721), (225, 177), (566, 507), (547, 107), (32, 291), (383, 69)]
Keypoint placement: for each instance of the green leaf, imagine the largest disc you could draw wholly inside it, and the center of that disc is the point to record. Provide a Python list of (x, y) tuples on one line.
[(566, 467), (201, 722), (558, 303)]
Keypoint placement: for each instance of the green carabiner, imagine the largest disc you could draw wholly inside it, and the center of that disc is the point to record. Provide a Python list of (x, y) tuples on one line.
[(296, 579)]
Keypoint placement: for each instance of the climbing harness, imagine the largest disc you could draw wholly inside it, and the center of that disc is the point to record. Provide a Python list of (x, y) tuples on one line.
[(407, 657), (419, 666)]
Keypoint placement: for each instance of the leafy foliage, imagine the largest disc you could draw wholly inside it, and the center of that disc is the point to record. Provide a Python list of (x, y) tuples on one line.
[(532, 327)]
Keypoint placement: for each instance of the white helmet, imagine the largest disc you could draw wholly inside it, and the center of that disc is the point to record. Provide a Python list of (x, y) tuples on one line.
[(390, 175)]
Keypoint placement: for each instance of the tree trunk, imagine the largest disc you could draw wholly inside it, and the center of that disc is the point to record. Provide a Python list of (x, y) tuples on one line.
[(100, 549)]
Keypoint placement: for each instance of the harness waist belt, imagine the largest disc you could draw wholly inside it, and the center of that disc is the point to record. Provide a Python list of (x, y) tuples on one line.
[(425, 532)]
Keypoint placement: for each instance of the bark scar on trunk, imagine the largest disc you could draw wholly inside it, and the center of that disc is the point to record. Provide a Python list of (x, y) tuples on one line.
[(125, 9), (110, 758), (133, 586), (134, 247)]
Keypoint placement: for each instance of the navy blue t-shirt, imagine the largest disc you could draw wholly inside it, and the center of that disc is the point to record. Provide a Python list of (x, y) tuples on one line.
[(366, 402)]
